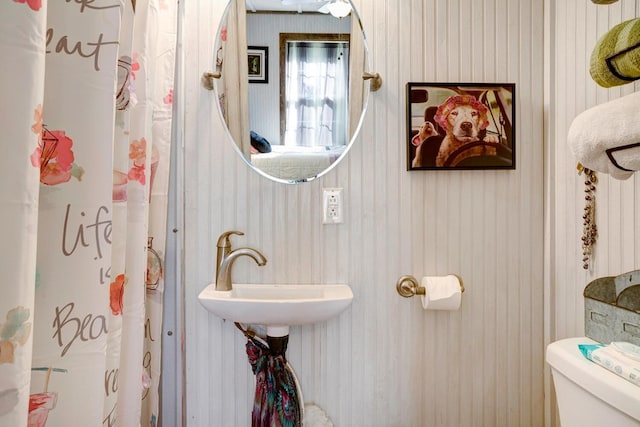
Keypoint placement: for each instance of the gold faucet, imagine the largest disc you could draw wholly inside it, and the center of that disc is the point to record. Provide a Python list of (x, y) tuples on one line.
[(226, 257)]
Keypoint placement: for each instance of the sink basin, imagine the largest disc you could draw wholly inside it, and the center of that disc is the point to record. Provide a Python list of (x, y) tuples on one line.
[(277, 306)]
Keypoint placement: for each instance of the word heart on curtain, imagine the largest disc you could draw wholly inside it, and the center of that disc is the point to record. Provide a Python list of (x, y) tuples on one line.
[(86, 119)]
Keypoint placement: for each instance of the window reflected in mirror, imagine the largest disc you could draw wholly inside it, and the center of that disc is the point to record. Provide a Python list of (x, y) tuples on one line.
[(314, 90)]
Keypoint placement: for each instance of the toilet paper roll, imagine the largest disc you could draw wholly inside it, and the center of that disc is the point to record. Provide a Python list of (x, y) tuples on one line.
[(441, 293)]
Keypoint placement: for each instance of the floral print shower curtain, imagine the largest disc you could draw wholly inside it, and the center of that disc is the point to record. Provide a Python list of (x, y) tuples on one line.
[(85, 112)]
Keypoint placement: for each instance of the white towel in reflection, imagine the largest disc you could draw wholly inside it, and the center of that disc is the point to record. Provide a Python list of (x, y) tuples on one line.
[(441, 292)]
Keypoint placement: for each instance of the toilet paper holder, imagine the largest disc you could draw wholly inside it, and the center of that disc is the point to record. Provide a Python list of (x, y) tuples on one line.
[(408, 286)]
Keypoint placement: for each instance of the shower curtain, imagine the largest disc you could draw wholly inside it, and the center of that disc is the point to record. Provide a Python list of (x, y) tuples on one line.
[(85, 114)]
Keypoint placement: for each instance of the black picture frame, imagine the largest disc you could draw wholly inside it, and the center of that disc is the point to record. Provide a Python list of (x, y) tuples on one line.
[(452, 126), (258, 64)]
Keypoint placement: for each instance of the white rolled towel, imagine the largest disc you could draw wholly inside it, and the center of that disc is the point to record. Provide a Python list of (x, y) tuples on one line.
[(606, 138)]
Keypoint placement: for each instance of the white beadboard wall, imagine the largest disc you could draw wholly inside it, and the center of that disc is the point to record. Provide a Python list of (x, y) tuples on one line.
[(579, 25), (576, 26), (385, 361)]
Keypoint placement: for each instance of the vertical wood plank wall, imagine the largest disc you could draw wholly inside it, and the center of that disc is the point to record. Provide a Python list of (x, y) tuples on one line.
[(385, 361), (575, 28), (578, 27)]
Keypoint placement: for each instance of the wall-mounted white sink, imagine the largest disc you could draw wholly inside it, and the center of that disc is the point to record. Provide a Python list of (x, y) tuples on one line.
[(277, 306)]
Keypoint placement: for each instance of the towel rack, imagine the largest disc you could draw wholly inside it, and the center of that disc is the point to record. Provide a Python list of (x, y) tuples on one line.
[(408, 286)]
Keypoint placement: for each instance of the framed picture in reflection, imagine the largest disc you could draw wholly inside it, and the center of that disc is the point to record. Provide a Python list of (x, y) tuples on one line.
[(460, 126), (258, 57)]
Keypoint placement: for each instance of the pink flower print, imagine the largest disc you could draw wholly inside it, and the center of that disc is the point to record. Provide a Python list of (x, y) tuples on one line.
[(116, 294), (169, 98), (135, 66), (33, 4), (120, 180), (223, 34), (37, 126), (138, 151), (138, 154), (136, 173), (37, 129), (36, 157), (55, 158)]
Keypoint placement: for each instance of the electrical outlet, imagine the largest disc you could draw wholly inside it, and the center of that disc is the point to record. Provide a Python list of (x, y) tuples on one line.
[(332, 206)]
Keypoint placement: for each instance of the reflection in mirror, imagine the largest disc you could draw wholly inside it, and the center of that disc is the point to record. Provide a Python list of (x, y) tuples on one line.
[(295, 110), (314, 89)]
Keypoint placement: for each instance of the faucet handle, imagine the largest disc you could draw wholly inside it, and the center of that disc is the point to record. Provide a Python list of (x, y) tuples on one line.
[(224, 241)]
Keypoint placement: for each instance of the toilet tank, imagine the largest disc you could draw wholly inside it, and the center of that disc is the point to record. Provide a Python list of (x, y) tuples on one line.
[(588, 394)]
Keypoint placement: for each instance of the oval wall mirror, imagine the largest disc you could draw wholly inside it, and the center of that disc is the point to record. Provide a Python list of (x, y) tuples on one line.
[(289, 83)]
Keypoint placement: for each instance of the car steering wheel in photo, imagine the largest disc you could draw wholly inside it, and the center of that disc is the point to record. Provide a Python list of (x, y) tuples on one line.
[(460, 126)]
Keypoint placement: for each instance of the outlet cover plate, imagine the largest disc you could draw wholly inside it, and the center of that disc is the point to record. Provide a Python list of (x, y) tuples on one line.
[(332, 209)]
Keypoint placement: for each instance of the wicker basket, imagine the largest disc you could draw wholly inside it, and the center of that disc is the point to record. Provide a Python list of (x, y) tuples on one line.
[(612, 308)]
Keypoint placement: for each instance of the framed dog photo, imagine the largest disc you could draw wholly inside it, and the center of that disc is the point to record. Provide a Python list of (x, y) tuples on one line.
[(258, 64), (461, 126)]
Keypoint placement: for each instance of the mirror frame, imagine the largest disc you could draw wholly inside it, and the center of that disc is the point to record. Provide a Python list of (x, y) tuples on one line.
[(356, 131)]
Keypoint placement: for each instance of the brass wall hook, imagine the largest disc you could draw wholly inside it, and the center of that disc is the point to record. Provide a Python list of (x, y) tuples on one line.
[(208, 76), (207, 79), (376, 80)]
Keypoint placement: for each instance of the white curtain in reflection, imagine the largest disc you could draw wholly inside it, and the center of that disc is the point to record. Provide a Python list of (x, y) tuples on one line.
[(86, 106), (317, 89)]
